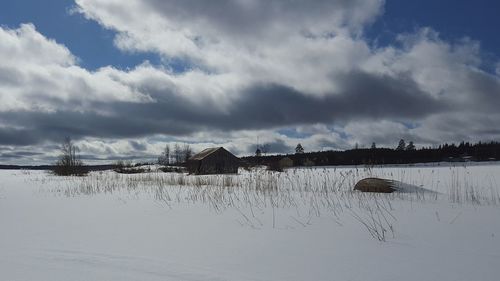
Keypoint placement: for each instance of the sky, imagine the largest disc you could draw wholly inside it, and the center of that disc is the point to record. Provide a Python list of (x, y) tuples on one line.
[(125, 78)]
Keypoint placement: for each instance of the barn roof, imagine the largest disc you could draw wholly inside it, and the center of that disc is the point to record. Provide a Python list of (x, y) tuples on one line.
[(205, 153)]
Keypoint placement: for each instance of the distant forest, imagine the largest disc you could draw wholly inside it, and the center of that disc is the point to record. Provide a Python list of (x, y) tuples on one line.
[(403, 154), (462, 152)]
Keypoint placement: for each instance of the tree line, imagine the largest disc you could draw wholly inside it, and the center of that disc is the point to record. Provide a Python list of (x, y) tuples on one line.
[(176, 155), (69, 163), (402, 154)]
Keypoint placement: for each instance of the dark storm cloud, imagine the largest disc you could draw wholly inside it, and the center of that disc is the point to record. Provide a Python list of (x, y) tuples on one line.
[(361, 96), (53, 126), (19, 137), (19, 154), (278, 146), (483, 88)]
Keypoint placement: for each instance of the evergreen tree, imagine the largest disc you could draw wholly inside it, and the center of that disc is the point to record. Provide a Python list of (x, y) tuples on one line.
[(299, 149), (374, 146), (401, 145), (410, 146)]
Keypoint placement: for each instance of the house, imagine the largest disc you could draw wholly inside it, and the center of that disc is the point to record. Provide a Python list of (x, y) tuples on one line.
[(215, 160)]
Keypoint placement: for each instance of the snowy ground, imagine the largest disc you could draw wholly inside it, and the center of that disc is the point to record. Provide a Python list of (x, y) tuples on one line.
[(304, 224)]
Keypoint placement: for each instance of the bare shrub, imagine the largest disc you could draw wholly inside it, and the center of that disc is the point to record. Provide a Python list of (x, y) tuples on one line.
[(69, 164), (173, 169), (126, 167)]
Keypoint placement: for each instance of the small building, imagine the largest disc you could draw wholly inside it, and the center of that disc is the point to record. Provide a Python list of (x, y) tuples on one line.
[(215, 160)]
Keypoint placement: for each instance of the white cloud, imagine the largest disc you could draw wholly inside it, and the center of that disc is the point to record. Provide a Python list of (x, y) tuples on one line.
[(301, 42), (38, 74), (383, 133), (256, 66), (25, 44)]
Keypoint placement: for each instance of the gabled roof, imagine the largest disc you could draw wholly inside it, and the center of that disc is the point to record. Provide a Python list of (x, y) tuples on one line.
[(205, 153)]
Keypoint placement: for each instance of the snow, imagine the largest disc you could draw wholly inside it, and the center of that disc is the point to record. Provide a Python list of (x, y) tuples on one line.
[(135, 227)]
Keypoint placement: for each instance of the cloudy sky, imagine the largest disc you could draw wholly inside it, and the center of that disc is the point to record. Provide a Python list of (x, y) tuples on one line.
[(124, 78)]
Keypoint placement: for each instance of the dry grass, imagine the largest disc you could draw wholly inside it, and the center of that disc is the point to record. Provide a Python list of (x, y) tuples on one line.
[(310, 193)]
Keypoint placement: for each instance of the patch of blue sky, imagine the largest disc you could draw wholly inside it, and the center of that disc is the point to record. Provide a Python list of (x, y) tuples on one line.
[(294, 133), (167, 139), (342, 134), (86, 39), (160, 139), (452, 19), (410, 125)]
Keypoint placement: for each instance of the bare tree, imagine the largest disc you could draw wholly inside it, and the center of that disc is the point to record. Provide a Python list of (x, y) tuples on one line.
[(164, 159), (177, 154), (187, 152), (69, 163)]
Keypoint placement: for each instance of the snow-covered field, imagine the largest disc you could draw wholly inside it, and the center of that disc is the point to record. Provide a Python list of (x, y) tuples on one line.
[(304, 224)]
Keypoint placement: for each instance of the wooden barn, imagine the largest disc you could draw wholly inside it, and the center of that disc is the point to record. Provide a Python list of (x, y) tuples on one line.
[(215, 160)]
